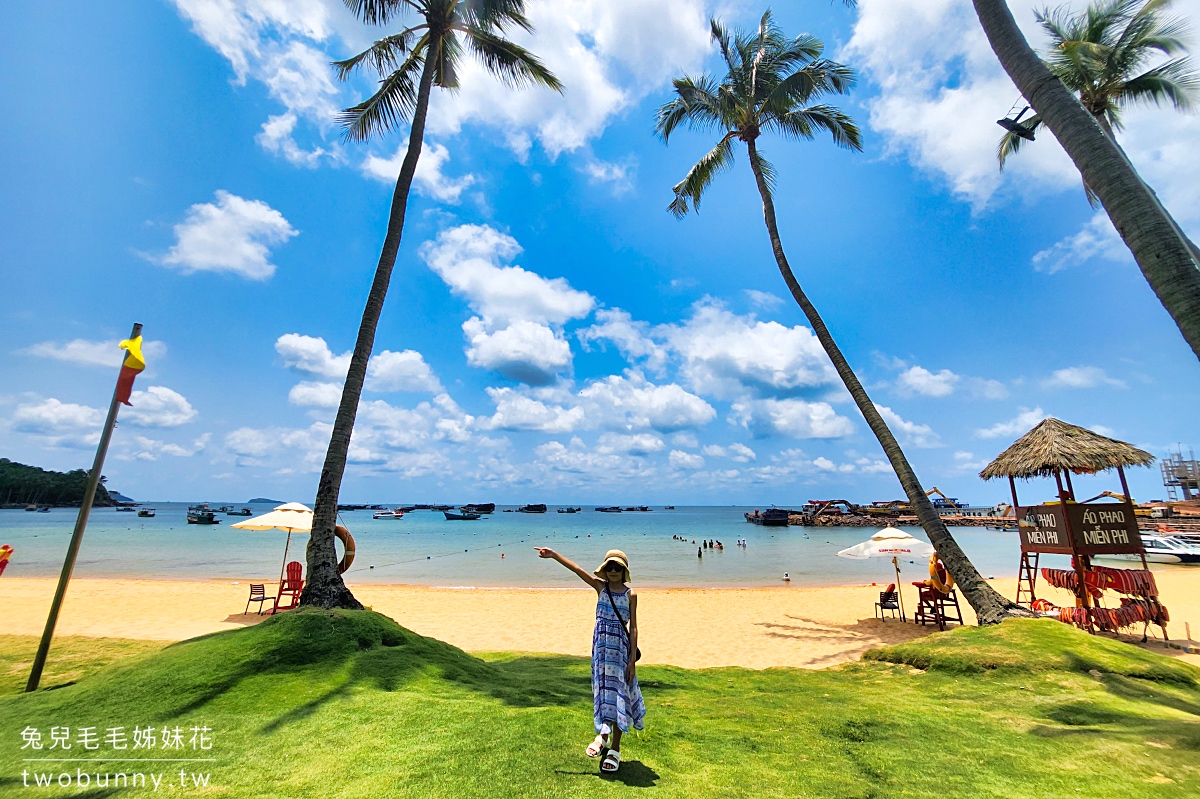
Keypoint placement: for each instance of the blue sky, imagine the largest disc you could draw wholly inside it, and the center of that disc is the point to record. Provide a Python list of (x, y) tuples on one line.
[(552, 333)]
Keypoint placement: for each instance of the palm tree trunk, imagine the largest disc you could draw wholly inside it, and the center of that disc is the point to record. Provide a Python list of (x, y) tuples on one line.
[(990, 607), (325, 587), (1166, 261)]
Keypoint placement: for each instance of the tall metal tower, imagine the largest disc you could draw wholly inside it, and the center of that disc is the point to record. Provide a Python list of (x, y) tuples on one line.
[(1180, 476)]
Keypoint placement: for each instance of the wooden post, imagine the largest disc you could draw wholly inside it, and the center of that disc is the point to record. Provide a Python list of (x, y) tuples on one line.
[(85, 508)]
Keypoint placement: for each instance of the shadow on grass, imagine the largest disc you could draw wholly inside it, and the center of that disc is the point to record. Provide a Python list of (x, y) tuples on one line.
[(1092, 717), (633, 773)]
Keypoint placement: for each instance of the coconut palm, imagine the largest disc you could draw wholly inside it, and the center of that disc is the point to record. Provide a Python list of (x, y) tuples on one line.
[(774, 84), (1101, 55), (409, 64), (1162, 253)]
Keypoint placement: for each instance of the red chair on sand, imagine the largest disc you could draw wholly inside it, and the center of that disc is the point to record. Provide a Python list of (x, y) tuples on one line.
[(291, 587), (889, 599)]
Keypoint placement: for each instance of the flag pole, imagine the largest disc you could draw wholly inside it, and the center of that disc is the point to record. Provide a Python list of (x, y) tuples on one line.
[(85, 508)]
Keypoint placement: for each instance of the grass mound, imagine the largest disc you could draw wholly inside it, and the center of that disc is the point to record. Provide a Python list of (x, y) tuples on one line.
[(1033, 645)]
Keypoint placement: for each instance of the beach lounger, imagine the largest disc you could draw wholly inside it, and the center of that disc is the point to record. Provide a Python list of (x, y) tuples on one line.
[(292, 585), (257, 594), (889, 599)]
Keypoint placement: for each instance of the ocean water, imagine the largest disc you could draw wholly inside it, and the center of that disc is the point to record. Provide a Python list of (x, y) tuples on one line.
[(425, 549)]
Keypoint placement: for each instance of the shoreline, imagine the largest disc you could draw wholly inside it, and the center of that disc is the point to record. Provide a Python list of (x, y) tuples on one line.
[(750, 626)]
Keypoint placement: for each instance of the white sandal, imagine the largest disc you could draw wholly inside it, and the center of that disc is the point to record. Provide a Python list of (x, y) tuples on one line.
[(612, 761), (597, 746)]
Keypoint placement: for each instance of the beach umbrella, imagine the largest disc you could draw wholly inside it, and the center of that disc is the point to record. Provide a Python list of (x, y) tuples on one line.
[(890, 543), (292, 517)]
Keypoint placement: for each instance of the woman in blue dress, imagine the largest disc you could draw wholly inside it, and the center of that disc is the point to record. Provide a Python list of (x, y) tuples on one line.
[(616, 697)]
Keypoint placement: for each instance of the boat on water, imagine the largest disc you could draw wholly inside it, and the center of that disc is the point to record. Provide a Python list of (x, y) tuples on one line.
[(1163, 549), (669, 507), (242, 512), (202, 516), (771, 517), (532, 509), (483, 507), (609, 509), (388, 514), (465, 516), (569, 510), (124, 509), (146, 513), (31, 507), (44, 509)]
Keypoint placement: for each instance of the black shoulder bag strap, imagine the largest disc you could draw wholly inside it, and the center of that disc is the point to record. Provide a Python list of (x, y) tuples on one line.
[(637, 655)]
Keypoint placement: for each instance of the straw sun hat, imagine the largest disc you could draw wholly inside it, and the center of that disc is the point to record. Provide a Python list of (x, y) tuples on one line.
[(613, 556)]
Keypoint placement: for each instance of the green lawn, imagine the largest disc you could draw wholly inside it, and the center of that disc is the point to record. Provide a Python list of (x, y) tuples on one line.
[(350, 704)]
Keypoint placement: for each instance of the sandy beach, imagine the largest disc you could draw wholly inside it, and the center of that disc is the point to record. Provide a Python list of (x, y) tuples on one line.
[(808, 627)]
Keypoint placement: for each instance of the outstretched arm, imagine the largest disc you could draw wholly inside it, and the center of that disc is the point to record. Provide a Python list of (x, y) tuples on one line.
[(586, 576)]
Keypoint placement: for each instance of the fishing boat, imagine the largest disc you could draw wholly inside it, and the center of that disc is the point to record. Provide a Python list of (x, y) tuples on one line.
[(771, 517), (532, 509), (609, 509), (44, 509), (242, 512), (202, 516), (451, 516), (484, 507), (1163, 549), (146, 513), (569, 510), (669, 507), (124, 509)]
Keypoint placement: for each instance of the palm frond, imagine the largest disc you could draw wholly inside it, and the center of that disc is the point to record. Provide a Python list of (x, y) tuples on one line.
[(391, 105), (721, 36), (692, 187), (381, 12), (697, 102), (1010, 142), (495, 15), (803, 123), (768, 171), (383, 56), (512, 64), (1175, 82), (446, 52)]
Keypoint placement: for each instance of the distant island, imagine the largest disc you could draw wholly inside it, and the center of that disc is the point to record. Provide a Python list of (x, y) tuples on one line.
[(22, 485), (264, 499)]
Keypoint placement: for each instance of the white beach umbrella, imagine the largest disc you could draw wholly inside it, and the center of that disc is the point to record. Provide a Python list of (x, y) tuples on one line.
[(890, 543), (292, 517)]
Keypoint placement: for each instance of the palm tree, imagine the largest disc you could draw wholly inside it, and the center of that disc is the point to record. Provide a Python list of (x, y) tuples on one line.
[(409, 63), (771, 85), (1162, 253)]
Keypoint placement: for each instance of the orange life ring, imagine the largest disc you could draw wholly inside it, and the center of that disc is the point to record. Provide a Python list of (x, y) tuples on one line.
[(348, 544), (935, 579)]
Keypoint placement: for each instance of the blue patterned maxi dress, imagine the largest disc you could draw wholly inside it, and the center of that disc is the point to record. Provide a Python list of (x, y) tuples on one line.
[(614, 699)]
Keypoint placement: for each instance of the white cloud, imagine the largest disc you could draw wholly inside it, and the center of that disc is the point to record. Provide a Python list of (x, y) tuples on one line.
[(763, 299), (518, 411), (608, 54), (311, 354), (1081, 377), (62, 424), (685, 439), (158, 406), (988, 389), (313, 394), (715, 451), (685, 460), (234, 235), (919, 380), (741, 453), (150, 449), (577, 459), (790, 417), (92, 353), (635, 444), (630, 402), (942, 88), (401, 371), (275, 137), (386, 371), (1021, 424), (918, 435), (528, 352), (429, 178), (619, 176), (518, 330), (632, 338), (725, 355)]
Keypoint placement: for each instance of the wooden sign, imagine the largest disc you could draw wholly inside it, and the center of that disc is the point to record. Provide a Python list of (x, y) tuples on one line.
[(1091, 529)]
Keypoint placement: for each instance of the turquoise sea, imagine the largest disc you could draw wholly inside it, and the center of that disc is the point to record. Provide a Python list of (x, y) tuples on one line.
[(425, 549)]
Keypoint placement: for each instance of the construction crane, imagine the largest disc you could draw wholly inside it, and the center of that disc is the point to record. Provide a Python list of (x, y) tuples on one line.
[(945, 501)]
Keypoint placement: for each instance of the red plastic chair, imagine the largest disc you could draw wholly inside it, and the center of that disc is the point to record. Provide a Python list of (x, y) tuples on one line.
[(291, 587), (889, 599)]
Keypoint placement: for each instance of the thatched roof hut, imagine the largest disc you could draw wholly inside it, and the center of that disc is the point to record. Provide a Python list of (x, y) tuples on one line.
[(1055, 446)]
